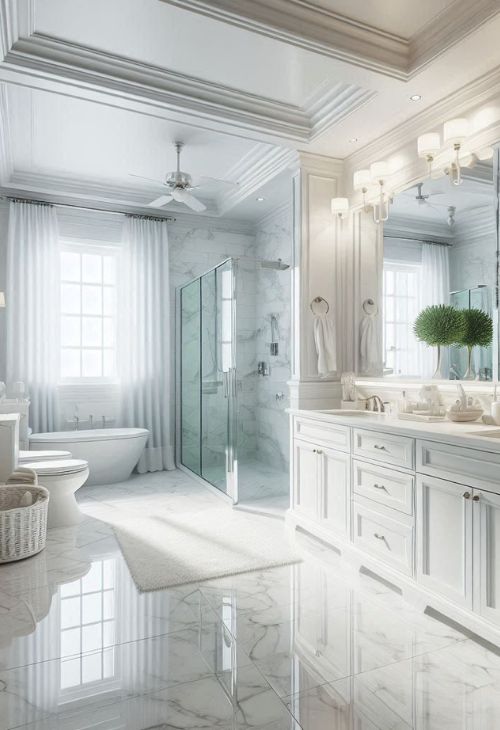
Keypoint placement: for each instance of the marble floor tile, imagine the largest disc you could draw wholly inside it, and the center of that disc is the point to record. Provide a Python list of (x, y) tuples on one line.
[(312, 646)]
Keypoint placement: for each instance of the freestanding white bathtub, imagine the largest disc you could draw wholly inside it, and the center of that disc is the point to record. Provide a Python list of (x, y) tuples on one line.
[(112, 453)]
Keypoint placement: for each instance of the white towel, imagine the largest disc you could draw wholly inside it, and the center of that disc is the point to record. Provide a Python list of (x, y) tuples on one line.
[(368, 344), (324, 339)]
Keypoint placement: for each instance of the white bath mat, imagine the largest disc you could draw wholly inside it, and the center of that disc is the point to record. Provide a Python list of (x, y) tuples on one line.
[(169, 550)]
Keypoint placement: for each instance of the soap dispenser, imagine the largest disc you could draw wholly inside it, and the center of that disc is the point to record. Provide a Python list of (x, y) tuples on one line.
[(495, 407)]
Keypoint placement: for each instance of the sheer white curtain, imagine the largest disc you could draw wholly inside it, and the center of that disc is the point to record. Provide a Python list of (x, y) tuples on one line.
[(434, 289), (144, 338), (33, 308)]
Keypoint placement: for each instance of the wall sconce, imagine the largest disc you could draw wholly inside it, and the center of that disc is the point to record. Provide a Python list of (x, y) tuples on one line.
[(2, 299), (379, 171), (454, 133), (360, 182), (340, 206), (428, 146)]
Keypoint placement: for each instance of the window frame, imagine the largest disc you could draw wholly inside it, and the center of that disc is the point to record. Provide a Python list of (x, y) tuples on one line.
[(398, 267), (101, 249)]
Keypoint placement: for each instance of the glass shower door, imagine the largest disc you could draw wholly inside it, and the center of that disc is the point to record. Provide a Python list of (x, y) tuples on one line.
[(217, 379), (207, 371)]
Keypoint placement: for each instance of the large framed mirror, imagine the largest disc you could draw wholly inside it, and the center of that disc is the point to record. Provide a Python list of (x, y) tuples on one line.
[(441, 248)]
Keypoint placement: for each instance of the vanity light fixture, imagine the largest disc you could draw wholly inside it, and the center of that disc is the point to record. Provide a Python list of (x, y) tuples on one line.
[(428, 146), (486, 153), (454, 132), (360, 181), (379, 172), (340, 206), (2, 299)]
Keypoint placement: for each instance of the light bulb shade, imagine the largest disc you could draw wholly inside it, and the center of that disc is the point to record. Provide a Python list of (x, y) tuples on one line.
[(361, 179), (379, 170), (455, 130), (486, 153), (428, 144), (340, 205), (2, 299)]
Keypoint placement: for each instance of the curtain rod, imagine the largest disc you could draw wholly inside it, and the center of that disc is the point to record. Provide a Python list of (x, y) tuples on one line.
[(419, 240), (87, 207)]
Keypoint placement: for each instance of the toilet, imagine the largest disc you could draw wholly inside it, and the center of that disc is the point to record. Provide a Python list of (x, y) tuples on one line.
[(62, 477), (30, 456)]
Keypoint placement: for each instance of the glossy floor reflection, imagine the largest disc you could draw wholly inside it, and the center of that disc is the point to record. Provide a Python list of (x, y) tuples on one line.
[(312, 645)]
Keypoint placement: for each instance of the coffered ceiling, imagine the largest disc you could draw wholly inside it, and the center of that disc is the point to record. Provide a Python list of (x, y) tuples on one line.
[(97, 89)]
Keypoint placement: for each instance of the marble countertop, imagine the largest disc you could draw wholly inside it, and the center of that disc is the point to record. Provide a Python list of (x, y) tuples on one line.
[(474, 435)]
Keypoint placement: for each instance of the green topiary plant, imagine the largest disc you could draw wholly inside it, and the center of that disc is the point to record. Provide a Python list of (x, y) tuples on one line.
[(478, 331), (438, 325)]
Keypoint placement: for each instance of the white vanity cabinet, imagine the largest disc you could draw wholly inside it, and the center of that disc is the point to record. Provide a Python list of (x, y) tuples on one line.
[(444, 538), (422, 513), (322, 476)]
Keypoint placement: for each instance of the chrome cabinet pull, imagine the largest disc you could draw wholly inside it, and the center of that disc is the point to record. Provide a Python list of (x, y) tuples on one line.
[(319, 451), (380, 486), (380, 448), (379, 537), (476, 498), (466, 495)]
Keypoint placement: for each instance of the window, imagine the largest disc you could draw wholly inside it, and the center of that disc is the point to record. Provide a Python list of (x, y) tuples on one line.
[(88, 312), (401, 285), (88, 629)]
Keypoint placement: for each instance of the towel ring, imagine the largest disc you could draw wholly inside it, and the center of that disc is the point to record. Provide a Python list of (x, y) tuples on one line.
[(369, 306), (318, 300)]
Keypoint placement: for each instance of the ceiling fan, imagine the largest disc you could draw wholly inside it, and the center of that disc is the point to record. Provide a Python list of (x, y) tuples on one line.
[(180, 185)]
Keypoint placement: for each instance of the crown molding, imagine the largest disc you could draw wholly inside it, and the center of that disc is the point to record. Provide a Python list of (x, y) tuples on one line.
[(313, 28), (281, 211), (304, 24), (255, 169), (49, 58), (447, 29), (402, 226)]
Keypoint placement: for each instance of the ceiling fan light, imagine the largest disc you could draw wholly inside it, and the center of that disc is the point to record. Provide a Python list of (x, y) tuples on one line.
[(361, 179), (455, 130), (379, 171), (429, 144)]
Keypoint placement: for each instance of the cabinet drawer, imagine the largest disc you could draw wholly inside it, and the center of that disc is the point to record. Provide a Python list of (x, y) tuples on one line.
[(385, 538), (395, 450), (322, 433), (386, 486), (455, 463)]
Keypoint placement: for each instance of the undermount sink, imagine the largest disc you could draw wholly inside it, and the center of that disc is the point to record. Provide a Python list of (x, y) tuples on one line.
[(349, 412), (486, 434)]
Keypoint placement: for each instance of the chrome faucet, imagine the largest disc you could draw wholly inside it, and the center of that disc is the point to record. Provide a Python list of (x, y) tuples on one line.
[(377, 401)]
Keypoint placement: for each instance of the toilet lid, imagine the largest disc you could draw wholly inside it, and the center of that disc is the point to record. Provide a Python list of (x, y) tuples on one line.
[(25, 456), (57, 467)]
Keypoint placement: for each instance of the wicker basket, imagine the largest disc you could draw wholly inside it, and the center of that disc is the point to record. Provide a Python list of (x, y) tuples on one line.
[(23, 530)]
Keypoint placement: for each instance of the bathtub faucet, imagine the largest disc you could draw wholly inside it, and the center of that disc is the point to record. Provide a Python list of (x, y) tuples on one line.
[(76, 421)]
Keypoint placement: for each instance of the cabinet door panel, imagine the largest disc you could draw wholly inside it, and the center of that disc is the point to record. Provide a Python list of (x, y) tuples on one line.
[(487, 555), (305, 498), (444, 539), (335, 490)]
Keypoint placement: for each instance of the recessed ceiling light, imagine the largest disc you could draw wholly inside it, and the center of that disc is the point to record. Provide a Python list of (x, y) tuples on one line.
[(260, 200), (415, 97), (353, 139)]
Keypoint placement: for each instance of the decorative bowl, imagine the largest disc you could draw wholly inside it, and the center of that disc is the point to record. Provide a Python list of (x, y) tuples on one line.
[(464, 416)]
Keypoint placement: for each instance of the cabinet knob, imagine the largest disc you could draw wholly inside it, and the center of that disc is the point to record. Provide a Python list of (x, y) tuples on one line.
[(476, 498), (466, 495), (319, 451)]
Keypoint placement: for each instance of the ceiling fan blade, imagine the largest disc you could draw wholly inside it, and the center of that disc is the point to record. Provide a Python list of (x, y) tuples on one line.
[(183, 196), (161, 201), (149, 179)]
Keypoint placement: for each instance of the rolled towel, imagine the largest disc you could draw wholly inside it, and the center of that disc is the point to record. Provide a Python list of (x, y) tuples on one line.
[(23, 475), (26, 500)]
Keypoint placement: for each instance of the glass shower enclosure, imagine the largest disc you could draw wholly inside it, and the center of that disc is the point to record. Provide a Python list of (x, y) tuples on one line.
[(207, 368)]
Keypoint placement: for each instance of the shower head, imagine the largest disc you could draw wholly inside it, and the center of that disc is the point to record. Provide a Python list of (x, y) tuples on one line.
[(279, 265)]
